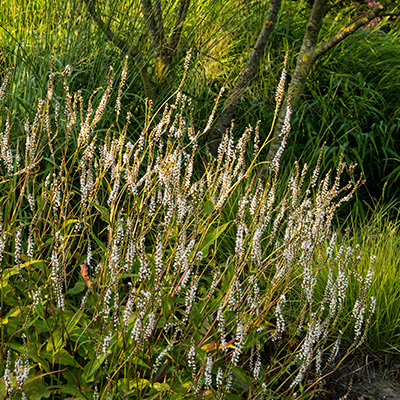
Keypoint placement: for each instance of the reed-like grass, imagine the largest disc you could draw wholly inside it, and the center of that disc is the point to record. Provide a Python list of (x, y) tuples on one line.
[(352, 108), (380, 236), (129, 272), (351, 100)]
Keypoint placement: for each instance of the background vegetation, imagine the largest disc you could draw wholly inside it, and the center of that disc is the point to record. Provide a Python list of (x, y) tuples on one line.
[(350, 102), (350, 109)]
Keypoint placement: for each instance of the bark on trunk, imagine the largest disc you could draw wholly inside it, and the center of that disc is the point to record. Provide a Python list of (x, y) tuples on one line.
[(155, 27), (165, 50), (176, 34), (224, 120)]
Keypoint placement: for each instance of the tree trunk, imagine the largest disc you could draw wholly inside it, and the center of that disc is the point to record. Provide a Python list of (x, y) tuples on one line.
[(305, 62), (155, 27), (310, 52), (164, 50), (224, 120), (176, 34), (132, 51)]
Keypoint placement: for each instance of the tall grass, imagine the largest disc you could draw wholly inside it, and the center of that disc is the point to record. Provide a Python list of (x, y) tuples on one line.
[(380, 235), (351, 102), (124, 273), (38, 35), (352, 107)]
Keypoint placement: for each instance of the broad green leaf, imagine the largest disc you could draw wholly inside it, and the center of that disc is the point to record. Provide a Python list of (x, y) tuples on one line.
[(98, 241), (176, 396), (55, 342), (208, 207), (12, 314), (84, 343), (73, 321), (78, 288), (211, 238), (16, 268), (241, 376), (2, 388), (161, 387), (105, 213), (139, 383), (69, 222), (139, 361), (64, 358), (91, 367), (40, 310), (41, 391), (39, 359)]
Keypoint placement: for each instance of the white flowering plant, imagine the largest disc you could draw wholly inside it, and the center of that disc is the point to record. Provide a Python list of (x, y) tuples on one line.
[(127, 271)]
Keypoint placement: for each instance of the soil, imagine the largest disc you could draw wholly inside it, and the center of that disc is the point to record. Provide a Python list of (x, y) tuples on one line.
[(363, 380)]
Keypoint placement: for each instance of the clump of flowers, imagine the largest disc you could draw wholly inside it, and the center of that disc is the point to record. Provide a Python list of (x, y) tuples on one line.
[(138, 279)]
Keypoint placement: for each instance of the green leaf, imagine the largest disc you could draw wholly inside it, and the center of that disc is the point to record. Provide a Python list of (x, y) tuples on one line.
[(2, 388), (139, 361), (241, 376), (73, 321), (69, 390), (161, 387), (39, 360), (91, 367), (105, 213), (231, 396), (78, 288), (84, 344), (208, 207), (69, 222), (40, 310), (139, 383), (55, 342), (17, 268), (41, 391), (12, 314), (98, 241), (64, 358), (176, 396), (211, 238)]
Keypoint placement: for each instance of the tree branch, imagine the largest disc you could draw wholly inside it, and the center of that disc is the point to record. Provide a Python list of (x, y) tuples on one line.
[(305, 62), (153, 20), (348, 30), (244, 79), (390, 15), (132, 51), (177, 31)]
